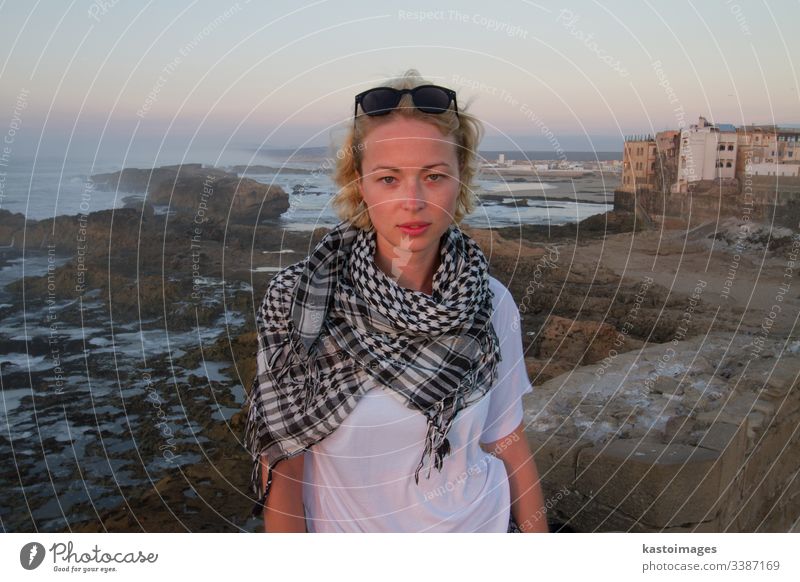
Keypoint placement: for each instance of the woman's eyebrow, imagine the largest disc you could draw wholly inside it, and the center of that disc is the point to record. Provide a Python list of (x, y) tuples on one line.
[(395, 169)]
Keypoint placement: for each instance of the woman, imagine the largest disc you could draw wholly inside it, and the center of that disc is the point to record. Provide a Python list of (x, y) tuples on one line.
[(382, 346)]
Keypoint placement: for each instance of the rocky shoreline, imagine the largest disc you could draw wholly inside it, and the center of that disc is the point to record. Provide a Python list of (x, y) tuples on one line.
[(159, 431)]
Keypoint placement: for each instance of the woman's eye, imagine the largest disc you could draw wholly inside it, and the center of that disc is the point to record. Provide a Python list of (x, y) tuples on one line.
[(386, 179), (435, 177)]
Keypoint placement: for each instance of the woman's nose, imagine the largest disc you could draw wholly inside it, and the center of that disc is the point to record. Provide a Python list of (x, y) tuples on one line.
[(413, 195)]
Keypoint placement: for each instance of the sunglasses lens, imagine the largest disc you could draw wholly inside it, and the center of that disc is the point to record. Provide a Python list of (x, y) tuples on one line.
[(427, 98), (431, 99), (380, 101)]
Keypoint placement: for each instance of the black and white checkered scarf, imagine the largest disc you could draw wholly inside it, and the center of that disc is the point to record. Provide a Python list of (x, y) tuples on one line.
[(333, 324)]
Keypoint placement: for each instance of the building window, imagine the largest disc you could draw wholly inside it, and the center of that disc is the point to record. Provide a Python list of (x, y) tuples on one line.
[(789, 153), (730, 147), (727, 164), (722, 147)]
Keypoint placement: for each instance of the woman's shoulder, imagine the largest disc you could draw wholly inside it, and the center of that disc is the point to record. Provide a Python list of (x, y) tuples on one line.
[(502, 298), (505, 311)]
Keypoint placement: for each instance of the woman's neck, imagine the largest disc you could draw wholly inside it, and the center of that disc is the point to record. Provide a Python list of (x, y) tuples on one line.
[(411, 270)]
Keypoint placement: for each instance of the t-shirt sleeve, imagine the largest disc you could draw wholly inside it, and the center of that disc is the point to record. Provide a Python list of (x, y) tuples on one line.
[(505, 404)]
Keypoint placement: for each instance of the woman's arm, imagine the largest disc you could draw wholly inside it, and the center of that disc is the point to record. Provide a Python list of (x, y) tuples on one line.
[(284, 507), (527, 500)]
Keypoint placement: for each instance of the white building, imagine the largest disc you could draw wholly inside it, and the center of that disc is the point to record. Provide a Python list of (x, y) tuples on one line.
[(707, 152), (773, 169)]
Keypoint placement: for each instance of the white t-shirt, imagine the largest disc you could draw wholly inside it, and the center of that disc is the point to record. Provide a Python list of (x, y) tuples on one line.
[(360, 478)]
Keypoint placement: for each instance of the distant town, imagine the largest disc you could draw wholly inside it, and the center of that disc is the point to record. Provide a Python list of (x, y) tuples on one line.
[(708, 171), (504, 167), (678, 161), (675, 161)]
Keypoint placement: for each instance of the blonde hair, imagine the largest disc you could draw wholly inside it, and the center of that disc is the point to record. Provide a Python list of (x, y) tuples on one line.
[(465, 129)]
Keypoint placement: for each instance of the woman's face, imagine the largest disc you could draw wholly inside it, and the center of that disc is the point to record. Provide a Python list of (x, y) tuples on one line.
[(409, 176)]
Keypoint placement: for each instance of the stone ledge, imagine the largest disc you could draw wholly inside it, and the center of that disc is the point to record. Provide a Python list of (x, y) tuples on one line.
[(698, 451)]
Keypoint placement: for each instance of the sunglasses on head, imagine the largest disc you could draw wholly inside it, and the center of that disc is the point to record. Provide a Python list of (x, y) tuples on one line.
[(426, 98)]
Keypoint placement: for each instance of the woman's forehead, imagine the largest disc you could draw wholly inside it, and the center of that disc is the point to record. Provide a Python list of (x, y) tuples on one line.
[(398, 136), (412, 152), (403, 125)]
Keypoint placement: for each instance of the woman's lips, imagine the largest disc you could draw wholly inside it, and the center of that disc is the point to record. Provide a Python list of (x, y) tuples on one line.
[(413, 230)]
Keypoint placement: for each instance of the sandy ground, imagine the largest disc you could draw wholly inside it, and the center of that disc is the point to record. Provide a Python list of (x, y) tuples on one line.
[(744, 285), (740, 291)]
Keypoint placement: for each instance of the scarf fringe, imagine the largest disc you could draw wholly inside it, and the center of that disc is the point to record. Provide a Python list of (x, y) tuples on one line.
[(251, 442), (437, 445), (261, 503)]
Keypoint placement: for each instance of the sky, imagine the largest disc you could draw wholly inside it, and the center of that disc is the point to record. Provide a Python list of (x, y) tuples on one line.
[(279, 74)]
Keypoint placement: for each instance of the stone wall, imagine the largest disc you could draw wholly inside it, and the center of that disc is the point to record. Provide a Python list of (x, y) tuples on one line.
[(706, 447), (773, 199)]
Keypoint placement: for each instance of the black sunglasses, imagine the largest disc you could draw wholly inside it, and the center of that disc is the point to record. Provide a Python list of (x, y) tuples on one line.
[(426, 98)]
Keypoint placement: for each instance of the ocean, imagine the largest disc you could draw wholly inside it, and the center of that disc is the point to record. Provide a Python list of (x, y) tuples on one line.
[(49, 186)]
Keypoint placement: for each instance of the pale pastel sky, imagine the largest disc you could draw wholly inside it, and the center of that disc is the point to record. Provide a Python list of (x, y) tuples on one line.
[(283, 74)]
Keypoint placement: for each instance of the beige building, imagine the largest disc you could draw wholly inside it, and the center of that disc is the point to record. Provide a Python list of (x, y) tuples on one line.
[(650, 163), (668, 143), (757, 144), (638, 164), (766, 147)]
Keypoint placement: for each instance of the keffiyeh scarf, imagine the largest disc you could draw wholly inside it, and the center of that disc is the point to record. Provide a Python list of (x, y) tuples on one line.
[(333, 324)]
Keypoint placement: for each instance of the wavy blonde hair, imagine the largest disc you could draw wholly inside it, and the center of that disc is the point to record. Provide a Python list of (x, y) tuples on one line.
[(465, 129)]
